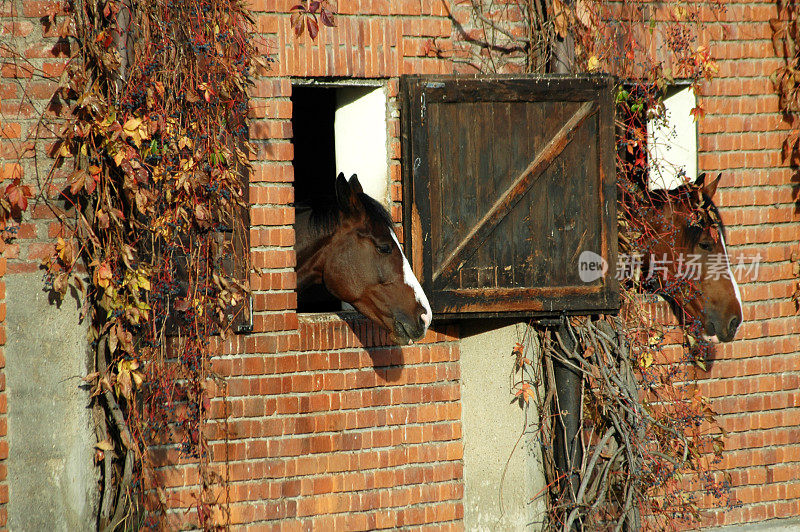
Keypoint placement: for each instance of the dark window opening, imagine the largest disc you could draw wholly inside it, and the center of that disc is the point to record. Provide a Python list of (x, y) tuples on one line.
[(336, 127), (314, 143)]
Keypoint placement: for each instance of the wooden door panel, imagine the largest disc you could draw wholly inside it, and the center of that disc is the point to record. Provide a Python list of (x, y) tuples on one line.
[(511, 179)]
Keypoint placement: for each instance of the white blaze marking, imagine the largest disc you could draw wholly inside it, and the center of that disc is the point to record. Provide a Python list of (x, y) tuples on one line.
[(411, 280), (730, 274)]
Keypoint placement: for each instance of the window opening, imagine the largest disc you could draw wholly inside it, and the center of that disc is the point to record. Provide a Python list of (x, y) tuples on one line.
[(673, 141), (337, 128)]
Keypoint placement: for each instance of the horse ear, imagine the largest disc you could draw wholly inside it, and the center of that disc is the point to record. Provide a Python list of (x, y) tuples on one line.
[(345, 195), (700, 180), (711, 188), (355, 184)]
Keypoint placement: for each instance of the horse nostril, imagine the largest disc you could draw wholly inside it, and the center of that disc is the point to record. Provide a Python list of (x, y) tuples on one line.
[(425, 319), (733, 325)]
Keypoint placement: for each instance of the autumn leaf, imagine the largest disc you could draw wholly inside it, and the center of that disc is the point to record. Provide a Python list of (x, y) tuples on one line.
[(519, 360), (124, 386), (560, 19), (313, 27), (11, 171), (105, 445), (132, 125), (102, 219), (103, 275), (17, 194), (66, 252), (61, 283), (76, 181), (297, 20), (326, 17), (202, 215), (525, 393), (133, 129), (113, 341), (64, 150), (143, 281), (698, 113), (128, 376)]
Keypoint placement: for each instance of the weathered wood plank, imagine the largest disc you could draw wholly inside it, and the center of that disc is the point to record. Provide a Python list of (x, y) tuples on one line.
[(468, 142), (514, 193)]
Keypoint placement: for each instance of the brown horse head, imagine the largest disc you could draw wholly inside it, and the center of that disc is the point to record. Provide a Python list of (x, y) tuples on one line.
[(687, 261), (349, 246)]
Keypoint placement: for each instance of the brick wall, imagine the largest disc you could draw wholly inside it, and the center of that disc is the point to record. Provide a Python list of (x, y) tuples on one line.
[(335, 428), (337, 436), (755, 381)]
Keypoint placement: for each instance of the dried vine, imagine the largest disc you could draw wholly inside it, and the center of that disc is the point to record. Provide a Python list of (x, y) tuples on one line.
[(157, 145), (641, 434)]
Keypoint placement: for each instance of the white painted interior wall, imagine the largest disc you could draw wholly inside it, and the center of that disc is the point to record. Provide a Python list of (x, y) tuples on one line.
[(360, 135), (673, 145)]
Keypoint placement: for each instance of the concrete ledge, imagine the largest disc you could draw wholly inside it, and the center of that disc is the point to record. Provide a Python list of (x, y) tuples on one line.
[(774, 525)]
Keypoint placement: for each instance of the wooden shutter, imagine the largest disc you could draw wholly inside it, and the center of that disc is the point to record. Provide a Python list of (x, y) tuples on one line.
[(507, 180), (234, 249)]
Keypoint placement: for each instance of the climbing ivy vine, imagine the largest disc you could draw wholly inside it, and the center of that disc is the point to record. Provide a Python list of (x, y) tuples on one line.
[(157, 154)]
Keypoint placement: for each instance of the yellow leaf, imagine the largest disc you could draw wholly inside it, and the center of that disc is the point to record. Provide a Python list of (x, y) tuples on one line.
[(105, 445), (132, 125), (124, 387), (143, 282), (593, 64)]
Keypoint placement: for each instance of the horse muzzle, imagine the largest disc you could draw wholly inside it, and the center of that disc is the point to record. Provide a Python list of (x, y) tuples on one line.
[(407, 330), (723, 329)]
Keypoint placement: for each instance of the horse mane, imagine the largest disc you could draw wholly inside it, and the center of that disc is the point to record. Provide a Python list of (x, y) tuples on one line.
[(683, 195), (326, 216)]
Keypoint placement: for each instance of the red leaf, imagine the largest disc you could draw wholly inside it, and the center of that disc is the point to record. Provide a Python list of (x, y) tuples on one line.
[(103, 275), (313, 28), (313, 6), (77, 181), (102, 219), (17, 195), (298, 26), (698, 113), (326, 17), (90, 185)]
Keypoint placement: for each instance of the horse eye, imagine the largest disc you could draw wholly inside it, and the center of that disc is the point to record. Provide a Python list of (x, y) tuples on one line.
[(384, 249), (706, 246)]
